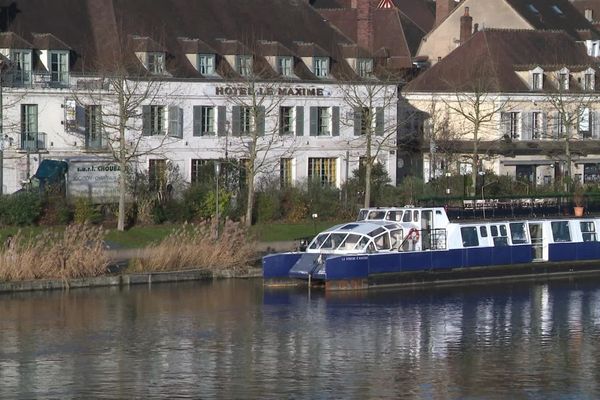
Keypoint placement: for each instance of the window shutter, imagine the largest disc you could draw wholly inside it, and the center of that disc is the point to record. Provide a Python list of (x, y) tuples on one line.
[(299, 121), (544, 134), (146, 121), (379, 121), (221, 120), (357, 120), (505, 124), (197, 129), (260, 123), (313, 121), (180, 124), (335, 121), (235, 124), (595, 116), (527, 126)]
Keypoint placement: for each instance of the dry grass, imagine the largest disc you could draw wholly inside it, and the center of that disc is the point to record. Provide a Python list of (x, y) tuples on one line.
[(194, 246), (76, 252)]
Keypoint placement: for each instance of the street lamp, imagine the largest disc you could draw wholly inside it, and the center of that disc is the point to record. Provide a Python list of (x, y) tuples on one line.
[(217, 171)]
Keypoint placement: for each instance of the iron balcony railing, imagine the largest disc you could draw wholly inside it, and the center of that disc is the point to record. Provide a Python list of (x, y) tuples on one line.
[(33, 141)]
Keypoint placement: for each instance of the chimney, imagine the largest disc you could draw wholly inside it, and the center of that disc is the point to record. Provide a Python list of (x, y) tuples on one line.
[(466, 26), (364, 23), (443, 9)]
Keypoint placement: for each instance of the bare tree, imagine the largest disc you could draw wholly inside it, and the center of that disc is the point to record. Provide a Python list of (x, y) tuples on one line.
[(119, 114), (374, 117)]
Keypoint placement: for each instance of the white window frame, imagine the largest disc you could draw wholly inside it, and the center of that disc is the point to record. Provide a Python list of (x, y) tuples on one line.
[(206, 64), (321, 67), (292, 119), (285, 65), (158, 120), (244, 64), (59, 68), (514, 124), (537, 124), (364, 67), (246, 119), (324, 169), (208, 120), (324, 121), (584, 120), (155, 62), (21, 61)]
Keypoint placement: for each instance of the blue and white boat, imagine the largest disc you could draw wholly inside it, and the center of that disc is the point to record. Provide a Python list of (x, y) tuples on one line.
[(420, 245)]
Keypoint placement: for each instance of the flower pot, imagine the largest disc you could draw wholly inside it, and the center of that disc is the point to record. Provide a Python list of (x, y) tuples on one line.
[(578, 210)]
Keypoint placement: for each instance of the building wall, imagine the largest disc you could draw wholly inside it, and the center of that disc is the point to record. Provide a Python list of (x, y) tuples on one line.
[(487, 13)]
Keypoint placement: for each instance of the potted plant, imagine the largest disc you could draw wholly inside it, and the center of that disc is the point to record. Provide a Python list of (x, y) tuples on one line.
[(578, 201)]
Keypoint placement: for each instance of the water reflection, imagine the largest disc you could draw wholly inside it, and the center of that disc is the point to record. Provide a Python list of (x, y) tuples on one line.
[(232, 339)]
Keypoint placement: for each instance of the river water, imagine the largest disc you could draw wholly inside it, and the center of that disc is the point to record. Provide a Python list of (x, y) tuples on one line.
[(234, 339)]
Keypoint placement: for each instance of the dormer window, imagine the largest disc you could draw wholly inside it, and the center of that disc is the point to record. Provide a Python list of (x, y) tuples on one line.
[(285, 66), (563, 79), (243, 65), (589, 80), (321, 67), (364, 67), (557, 10), (21, 64), (589, 14), (533, 9), (59, 67), (206, 64), (537, 79), (155, 62)]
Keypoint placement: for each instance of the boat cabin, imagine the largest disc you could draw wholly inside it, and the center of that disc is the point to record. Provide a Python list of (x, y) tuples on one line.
[(358, 237)]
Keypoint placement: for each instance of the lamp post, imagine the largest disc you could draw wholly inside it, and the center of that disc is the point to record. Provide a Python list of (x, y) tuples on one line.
[(217, 171)]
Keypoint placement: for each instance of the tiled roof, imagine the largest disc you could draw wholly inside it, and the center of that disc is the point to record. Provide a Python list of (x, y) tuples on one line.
[(97, 31), (10, 40), (492, 56)]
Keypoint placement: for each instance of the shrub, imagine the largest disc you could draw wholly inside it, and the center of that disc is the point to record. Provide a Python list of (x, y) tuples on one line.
[(294, 207), (22, 208), (86, 212), (268, 206)]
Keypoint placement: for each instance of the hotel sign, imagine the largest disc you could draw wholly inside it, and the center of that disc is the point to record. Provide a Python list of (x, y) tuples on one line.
[(271, 91)]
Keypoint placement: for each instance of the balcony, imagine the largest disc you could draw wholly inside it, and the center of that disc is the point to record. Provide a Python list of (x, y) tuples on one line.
[(33, 141)]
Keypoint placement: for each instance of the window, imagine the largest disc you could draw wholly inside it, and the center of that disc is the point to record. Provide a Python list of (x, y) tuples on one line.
[(513, 124), (588, 81), (286, 120), (157, 174), (483, 231), (588, 231), (557, 10), (560, 231), (517, 233), (561, 128), (536, 81), (533, 9), (59, 67), (322, 170), (563, 80), (323, 121), (364, 67), (21, 62), (245, 120), (153, 120), (285, 66), (206, 64), (469, 236), (244, 65), (156, 63), (321, 67), (29, 127), (366, 120), (589, 14), (207, 120), (285, 172), (93, 126), (203, 171), (536, 125), (584, 123)]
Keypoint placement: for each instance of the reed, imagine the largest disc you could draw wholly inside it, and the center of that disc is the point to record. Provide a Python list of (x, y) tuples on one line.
[(76, 252), (196, 246)]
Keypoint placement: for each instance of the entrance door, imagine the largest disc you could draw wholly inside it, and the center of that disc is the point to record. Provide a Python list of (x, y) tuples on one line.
[(540, 252), (426, 222)]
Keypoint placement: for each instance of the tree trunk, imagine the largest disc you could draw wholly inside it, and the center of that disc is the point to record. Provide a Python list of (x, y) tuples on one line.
[(122, 174), (567, 176), (475, 165), (368, 168), (250, 195)]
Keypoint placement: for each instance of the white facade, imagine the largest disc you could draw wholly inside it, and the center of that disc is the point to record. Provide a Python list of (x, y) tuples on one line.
[(58, 127)]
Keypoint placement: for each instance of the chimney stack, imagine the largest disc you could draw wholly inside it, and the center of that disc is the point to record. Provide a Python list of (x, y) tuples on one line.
[(466, 26), (443, 9), (364, 23)]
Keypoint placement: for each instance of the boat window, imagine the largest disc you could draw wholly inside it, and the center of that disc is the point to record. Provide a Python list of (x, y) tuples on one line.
[(348, 227), (362, 243), (394, 215), (469, 236), (438, 212), (350, 242), (416, 216), (503, 231), (483, 231), (560, 231), (391, 226), (588, 231), (333, 241), (362, 215), (376, 232), (494, 230), (382, 242), (370, 248), (396, 238), (376, 214), (500, 241), (407, 217), (517, 233), (318, 241)]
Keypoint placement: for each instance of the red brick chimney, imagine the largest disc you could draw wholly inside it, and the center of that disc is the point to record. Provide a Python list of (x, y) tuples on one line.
[(466, 26), (442, 9), (364, 23)]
